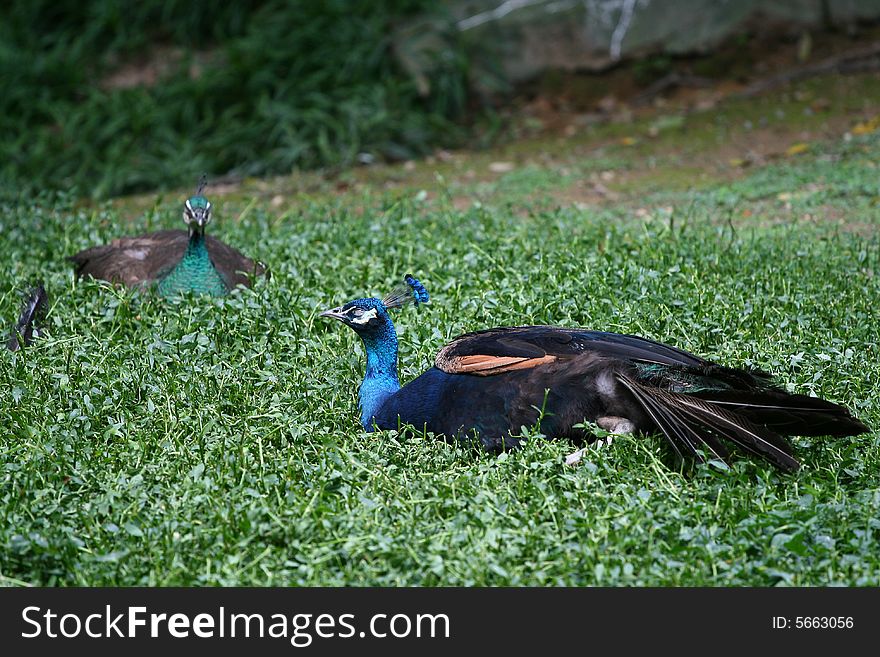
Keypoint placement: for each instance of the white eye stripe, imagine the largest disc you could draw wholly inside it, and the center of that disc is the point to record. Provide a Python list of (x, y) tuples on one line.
[(365, 316)]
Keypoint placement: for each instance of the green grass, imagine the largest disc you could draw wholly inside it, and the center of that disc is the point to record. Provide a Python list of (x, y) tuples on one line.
[(217, 441)]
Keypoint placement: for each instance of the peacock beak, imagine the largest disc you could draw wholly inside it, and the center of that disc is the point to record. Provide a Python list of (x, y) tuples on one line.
[(335, 313)]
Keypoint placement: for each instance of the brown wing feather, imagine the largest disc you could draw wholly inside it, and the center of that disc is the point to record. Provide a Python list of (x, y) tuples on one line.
[(235, 267), (520, 347), (138, 261), (133, 261)]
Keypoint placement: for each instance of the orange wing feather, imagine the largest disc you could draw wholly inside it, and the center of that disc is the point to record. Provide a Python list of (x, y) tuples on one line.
[(484, 365)]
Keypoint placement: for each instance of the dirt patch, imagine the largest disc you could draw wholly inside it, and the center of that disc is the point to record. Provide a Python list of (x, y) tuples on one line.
[(744, 65), (614, 152), (158, 63)]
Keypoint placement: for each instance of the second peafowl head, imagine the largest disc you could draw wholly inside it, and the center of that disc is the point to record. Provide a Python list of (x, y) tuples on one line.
[(197, 212)]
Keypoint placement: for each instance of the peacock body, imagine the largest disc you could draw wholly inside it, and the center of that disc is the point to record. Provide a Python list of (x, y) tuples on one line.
[(489, 384)]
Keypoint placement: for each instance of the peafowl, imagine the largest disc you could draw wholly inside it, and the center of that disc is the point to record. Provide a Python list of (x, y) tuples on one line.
[(174, 260), (33, 311), (490, 383)]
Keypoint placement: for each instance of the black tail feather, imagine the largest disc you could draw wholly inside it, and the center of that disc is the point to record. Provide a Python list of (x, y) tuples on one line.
[(689, 422), (789, 414), (677, 429), (33, 311), (754, 438)]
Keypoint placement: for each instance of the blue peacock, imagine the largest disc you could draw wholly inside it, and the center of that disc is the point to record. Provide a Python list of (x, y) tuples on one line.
[(488, 384), (174, 261)]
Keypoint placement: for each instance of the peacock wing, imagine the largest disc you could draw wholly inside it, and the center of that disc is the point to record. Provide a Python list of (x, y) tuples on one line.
[(503, 349), (233, 266), (133, 261)]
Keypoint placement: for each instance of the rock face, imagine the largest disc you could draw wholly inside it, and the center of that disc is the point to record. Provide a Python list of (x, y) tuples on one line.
[(509, 41)]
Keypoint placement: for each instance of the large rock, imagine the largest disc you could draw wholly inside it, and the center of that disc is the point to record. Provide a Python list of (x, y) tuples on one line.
[(509, 41)]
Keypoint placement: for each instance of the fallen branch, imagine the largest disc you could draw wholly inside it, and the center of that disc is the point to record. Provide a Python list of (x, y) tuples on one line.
[(856, 61), (668, 82)]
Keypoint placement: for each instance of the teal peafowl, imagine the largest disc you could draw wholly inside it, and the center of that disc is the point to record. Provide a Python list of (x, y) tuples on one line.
[(174, 260), (491, 383)]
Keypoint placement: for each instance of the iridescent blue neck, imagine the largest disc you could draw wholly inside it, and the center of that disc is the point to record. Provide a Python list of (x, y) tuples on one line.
[(380, 380)]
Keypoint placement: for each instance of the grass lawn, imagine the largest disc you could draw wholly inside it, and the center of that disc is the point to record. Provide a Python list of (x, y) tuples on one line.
[(207, 442)]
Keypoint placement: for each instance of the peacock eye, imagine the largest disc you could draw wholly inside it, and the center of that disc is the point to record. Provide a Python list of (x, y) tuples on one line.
[(362, 317)]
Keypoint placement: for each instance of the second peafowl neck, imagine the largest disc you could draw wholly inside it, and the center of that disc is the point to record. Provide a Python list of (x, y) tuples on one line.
[(195, 271), (380, 379)]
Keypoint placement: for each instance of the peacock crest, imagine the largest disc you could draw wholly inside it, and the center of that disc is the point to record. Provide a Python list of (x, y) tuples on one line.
[(412, 291)]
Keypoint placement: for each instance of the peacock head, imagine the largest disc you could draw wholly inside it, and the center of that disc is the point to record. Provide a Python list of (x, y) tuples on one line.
[(369, 317), (197, 209)]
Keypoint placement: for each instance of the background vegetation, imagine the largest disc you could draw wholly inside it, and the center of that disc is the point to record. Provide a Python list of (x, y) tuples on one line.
[(246, 89)]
